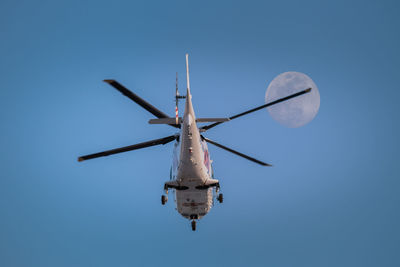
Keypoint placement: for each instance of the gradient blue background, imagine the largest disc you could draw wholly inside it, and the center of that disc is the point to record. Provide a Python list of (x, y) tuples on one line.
[(331, 199)]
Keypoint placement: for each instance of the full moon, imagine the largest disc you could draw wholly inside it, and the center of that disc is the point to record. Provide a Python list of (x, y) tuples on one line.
[(297, 111)]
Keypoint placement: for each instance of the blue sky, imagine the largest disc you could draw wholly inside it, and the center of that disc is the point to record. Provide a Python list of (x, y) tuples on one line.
[(331, 198)]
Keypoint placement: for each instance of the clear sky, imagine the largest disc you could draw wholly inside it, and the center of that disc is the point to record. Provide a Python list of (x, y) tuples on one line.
[(331, 199)]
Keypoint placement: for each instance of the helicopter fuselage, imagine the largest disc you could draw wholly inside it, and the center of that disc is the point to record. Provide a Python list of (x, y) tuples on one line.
[(191, 174)]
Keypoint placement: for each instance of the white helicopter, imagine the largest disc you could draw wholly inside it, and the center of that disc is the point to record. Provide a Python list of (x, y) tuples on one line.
[(191, 177)]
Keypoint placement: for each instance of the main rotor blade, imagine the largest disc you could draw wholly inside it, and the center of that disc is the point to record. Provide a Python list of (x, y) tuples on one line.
[(237, 153), (161, 141), (258, 108), (140, 101)]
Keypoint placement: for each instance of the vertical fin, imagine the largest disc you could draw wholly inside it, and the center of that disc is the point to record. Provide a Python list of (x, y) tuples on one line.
[(187, 74)]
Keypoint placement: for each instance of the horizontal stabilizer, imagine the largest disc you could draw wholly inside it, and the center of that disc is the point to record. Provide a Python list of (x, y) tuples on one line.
[(173, 120), (165, 121), (212, 119)]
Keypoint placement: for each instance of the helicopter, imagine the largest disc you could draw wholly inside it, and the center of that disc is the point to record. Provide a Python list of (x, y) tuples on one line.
[(191, 178)]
